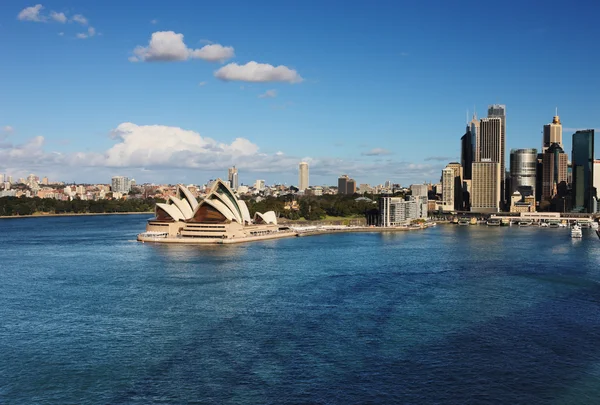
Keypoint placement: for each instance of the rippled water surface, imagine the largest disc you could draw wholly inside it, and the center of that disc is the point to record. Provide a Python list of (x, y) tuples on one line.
[(447, 315)]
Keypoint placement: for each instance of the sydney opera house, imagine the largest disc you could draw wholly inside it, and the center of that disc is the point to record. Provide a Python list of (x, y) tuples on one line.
[(220, 218)]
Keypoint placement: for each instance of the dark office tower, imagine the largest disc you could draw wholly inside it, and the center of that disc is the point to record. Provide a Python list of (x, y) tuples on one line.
[(523, 164), (499, 111), (554, 171), (490, 141), (466, 153), (342, 184), (582, 159)]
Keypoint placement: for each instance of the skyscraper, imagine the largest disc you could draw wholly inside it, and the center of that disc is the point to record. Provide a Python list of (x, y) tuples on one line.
[(474, 129), (485, 188), (448, 188), (303, 176), (490, 140), (466, 153), (342, 181), (499, 111), (523, 164), (458, 182), (552, 134), (554, 171), (582, 159), (232, 176)]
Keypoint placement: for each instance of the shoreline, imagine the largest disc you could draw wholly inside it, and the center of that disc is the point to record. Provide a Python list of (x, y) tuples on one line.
[(74, 214)]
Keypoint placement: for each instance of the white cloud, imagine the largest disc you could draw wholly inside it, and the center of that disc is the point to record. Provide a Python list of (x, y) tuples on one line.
[(7, 129), (376, 152), (61, 34), (90, 33), (172, 153), (258, 72), (268, 94), (32, 14), (154, 21), (58, 17), (78, 18), (213, 53), (168, 46), (202, 84)]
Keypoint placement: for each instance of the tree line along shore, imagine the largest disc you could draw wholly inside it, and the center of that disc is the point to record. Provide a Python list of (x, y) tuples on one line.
[(322, 208)]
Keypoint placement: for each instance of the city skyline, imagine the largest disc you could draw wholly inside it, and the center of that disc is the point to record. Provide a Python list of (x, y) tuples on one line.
[(354, 110)]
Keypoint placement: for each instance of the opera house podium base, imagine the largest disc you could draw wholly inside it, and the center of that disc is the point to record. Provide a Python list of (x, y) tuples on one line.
[(163, 238)]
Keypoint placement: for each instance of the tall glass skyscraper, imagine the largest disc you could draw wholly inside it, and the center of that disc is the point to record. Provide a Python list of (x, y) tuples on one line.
[(499, 111), (582, 160)]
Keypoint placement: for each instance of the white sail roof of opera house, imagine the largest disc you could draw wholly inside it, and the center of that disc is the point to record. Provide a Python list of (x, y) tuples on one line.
[(220, 205)]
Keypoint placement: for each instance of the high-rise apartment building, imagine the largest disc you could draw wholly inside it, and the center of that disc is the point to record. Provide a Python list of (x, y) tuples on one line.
[(582, 160), (342, 181), (448, 187), (350, 186), (554, 171), (120, 184), (523, 163), (458, 184), (303, 176), (394, 211), (346, 185), (232, 176), (485, 187), (259, 185), (552, 134)]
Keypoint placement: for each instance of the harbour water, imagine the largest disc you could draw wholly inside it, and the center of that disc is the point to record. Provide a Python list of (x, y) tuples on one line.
[(446, 315)]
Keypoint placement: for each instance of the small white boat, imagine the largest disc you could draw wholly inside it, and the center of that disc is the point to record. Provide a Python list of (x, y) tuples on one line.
[(525, 223), (544, 225), (594, 225), (576, 232)]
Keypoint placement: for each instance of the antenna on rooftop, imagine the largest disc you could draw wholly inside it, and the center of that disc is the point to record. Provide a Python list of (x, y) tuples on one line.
[(556, 111)]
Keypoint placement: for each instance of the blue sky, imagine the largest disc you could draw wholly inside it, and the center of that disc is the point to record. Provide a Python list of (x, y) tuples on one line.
[(377, 90)]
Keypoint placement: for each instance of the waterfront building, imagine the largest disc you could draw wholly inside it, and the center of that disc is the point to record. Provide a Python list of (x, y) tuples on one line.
[(395, 211), (523, 163), (552, 133), (582, 161), (303, 176), (219, 216), (232, 176), (522, 203), (466, 153), (485, 185), (120, 184), (597, 177), (447, 189), (458, 184), (554, 171)]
